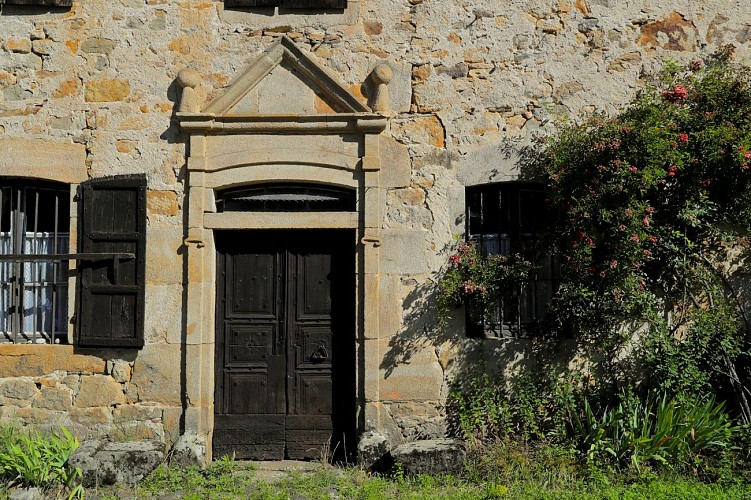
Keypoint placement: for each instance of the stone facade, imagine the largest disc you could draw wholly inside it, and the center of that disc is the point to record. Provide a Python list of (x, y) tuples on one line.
[(407, 101)]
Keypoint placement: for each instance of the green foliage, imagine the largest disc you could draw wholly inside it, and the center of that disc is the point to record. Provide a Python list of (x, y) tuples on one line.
[(696, 361), (477, 280), (657, 430), (653, 202), (650, 194), (31, 458), (533, 405)]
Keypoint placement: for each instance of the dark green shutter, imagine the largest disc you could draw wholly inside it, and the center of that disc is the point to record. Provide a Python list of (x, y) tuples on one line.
[(314, 4), (289, 4), (46, 3), (111, 292), (251, 3)]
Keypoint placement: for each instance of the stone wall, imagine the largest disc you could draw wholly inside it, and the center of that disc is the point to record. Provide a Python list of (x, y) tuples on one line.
[(473, 80), (92, 394)]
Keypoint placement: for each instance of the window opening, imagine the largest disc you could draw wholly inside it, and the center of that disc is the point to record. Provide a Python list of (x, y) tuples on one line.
[(287, 198), (34, 221), (507, 219)]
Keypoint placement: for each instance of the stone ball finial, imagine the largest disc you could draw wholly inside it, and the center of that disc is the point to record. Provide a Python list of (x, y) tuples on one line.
[(382, 74), (193, 93), (379, 98), (188, 77)]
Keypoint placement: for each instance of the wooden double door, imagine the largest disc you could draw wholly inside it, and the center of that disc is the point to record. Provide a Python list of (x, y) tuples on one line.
[(285, 344)]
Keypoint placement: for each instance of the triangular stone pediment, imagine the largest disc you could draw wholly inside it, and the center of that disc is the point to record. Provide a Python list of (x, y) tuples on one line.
[(285, 80)]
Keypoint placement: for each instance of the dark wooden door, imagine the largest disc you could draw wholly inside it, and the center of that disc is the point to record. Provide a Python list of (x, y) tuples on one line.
[(285, 344)]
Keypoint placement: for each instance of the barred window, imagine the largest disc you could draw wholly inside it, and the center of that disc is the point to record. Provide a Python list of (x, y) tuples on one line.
[(504, 219), (34, 223)]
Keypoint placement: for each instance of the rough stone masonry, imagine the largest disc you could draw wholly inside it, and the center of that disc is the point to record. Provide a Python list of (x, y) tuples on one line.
[(90, 91)]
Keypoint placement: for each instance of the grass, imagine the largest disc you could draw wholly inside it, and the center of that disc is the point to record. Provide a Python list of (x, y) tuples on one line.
[(226, 479)]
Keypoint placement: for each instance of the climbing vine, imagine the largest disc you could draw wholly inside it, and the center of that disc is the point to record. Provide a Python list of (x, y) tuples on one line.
[(654, 213)]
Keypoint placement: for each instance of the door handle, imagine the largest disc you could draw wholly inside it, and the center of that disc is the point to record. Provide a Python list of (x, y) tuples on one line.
[(320, 354)]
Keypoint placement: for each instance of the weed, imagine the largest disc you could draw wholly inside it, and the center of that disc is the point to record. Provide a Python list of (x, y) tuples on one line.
[(34, 459)]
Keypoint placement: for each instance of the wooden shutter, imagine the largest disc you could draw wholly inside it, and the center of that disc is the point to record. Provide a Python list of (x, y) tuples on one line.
[(314, 4), (112, 218), (251, 3), (46, 3), (288, 4)]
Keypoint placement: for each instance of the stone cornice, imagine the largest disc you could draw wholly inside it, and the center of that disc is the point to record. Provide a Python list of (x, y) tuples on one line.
[(334, 123)]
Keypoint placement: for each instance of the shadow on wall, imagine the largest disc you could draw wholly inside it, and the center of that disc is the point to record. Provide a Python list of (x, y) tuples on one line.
[(422, 329), (460, 356), (422, 333)]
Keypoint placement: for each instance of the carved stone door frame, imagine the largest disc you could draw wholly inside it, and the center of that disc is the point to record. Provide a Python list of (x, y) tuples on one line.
[(228, 150)]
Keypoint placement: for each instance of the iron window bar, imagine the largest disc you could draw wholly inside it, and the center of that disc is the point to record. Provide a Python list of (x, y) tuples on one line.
[(504, 219), (37, 285), (58, 257)]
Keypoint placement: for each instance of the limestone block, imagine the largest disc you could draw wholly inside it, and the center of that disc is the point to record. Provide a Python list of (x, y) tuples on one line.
[(419, 420), (161, 203), (199, 420), (34, 157), (73, 382), (126, 146), (190, 449), (430, 96), (422, 129), (371, 447), (198, 321), (106, 90), (7, 79), (400, 86), (149, 430), (390, 306), (112, 463), (38, 360), (97, 45), (16, 93), (19, 61), (171, 423), (99, 390), (7, 413), (156, 375), (53, 398), (404, 252), (406, 196), (20, 45), (121, 371), (21, 389), (490, 164), (36, 416), (136, 413), (414, 375), (43, 47), (396, 167), (164, 256), (200, 379), (91, 416), (431, 456), (672, 33)]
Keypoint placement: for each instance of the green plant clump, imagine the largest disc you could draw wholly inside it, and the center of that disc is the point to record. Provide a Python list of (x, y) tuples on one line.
[(658, 430), (35, 459)]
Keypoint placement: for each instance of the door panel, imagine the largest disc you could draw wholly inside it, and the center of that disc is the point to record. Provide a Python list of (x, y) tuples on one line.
[(285, 335)]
